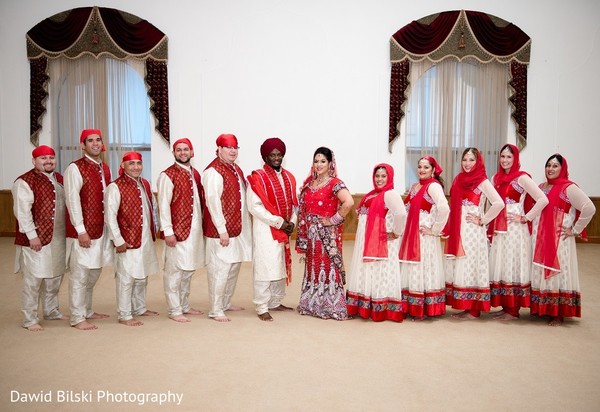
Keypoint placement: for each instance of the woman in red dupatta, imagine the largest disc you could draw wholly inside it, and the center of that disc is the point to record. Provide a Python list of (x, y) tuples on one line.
[(422, 270), (374, 288), (324, 203), (467, 249), (555, 288), (510, 255)]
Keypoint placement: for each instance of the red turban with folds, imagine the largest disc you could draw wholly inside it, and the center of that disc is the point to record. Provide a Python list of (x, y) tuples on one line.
[(42, 150), (227, 140), (273, 143)]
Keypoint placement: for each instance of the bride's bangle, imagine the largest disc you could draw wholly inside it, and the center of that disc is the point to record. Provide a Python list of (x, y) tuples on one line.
[(336, 219)]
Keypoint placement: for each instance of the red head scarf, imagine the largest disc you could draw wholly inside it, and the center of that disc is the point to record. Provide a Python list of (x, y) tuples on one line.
[(186, 141), (88, 132), (127, 157), (270, 144), (550, 224), (375, 230), (227, 140), (502, 182), (463, 183), (42, 150), (410, 249)]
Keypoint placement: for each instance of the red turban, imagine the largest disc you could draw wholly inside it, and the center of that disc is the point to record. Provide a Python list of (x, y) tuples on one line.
[(42, 150), (132, 156), (183, 140), (227, 140), (270, 144), (87, 132)]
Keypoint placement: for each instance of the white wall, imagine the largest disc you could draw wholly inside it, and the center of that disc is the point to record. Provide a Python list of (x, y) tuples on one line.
[(316, 72)]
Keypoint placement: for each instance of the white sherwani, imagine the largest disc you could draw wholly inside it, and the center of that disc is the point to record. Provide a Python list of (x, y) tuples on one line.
[(180, 261), (85, 263), (132, 267), (41, 270), (187, 254), (100, 253), (224, 263), (268, 263)]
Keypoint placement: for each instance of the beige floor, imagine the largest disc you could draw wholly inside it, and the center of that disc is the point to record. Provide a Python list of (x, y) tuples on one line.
[(299, 363)]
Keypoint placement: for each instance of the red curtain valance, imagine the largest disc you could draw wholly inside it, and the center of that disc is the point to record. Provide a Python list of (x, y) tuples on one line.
[(461, 35), (97, 31)]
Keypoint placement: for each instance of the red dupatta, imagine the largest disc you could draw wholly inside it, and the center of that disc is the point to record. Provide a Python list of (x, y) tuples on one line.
[(502, 181), (410, 249), (551, 223), (375, 231), (463, 183)]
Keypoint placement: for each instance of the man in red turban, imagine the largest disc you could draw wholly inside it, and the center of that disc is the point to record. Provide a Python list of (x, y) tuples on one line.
[(88, 246), (227, 226), (39, 205), (129, 214), (273, 204), (179, 199)]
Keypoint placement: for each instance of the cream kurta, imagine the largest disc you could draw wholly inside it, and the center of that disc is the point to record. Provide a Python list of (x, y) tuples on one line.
[(187, 254), (50, 261), (269, 254), (101, 252), (240, 247), (137, 263)]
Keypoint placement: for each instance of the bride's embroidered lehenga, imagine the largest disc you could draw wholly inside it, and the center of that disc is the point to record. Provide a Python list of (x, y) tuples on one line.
[(322, 293)]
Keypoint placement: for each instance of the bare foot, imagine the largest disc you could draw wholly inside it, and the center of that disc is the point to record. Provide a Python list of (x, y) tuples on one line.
[(505, 317), (35, 328), (222, 319), (557, 321), (97, 315), (131, 322), (235, 308), (498, 313), (266, 317), (418, 318), (282, 308), (85, 325), (180, 319), (193, 311), (149, 313), (464, 315)]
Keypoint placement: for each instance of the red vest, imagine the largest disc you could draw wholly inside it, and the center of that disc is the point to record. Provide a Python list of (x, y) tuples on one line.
[(131, 210), (231, 199), (92, 198), (182, 203), (43, 208)]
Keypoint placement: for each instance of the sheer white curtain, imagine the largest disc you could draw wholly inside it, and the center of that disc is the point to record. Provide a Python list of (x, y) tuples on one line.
[(453, 105), (105, 94)]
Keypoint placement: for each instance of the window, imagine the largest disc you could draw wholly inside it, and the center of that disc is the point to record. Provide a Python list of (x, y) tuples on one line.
[(453, 105), (104, 93)]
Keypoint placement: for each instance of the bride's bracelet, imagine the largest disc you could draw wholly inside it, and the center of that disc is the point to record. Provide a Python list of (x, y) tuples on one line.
[(336, 219)]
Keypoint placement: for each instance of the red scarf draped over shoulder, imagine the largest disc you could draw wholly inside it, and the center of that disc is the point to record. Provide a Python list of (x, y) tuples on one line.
[(375, 230), (410, 249), (551, 223), (279, 200), (502, 181), (463, 183)]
